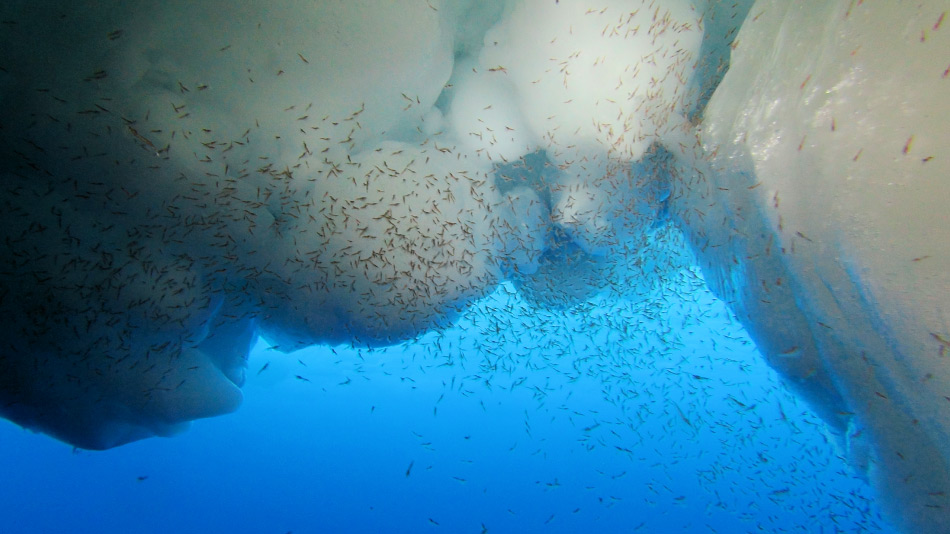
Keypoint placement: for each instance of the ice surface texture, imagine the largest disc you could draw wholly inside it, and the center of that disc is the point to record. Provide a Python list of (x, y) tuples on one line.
[(181, 178)]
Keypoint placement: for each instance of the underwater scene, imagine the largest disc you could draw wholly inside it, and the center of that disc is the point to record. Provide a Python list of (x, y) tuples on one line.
[(457, 266)]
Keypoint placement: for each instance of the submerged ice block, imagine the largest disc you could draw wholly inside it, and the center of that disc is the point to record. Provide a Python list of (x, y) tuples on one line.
[(166, 198), (819, 209)]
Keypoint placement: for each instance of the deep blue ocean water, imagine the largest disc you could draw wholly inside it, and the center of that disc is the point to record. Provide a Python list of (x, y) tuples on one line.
[(654, 415)]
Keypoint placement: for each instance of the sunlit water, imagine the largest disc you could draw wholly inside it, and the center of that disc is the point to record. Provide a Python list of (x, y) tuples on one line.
[(617, 416)]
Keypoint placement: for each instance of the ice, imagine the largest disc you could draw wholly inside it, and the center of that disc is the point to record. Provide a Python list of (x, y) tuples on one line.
[(823, 199), (181, 179)]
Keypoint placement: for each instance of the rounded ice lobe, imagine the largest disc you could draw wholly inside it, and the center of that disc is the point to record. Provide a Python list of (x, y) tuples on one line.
[(156, 187), (169, 200), (486, 118), (393, 244), (611, 78)]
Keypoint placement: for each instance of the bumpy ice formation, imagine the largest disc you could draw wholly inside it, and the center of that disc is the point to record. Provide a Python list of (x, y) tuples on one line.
[(180, 179)]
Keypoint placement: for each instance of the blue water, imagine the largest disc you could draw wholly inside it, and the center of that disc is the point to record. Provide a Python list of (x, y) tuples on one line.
[(646, 415)]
